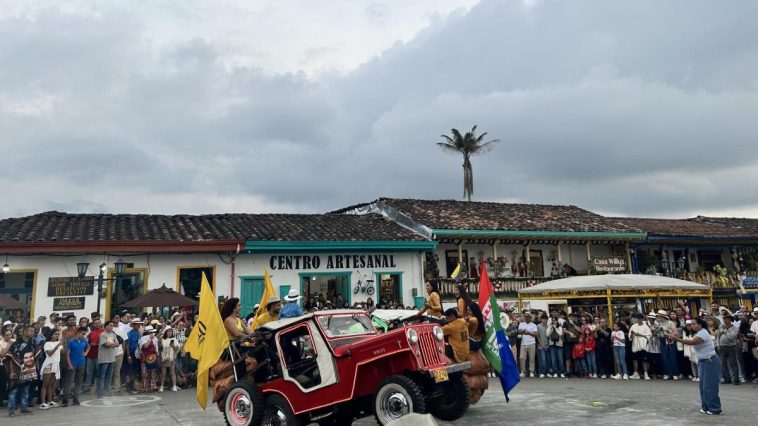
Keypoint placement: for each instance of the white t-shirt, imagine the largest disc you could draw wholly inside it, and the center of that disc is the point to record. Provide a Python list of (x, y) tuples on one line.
[(754, 327), (530, 327), (619, 335), (120, 333)]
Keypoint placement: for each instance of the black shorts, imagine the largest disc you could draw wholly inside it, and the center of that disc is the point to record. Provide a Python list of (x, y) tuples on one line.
[(568, 351), (641, 356)]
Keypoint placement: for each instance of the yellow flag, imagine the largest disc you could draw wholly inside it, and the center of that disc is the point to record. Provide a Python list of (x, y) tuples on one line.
[(207, 340), (267, 292)]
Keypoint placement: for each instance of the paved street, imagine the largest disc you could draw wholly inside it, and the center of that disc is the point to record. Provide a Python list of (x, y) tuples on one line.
[(546, 401)]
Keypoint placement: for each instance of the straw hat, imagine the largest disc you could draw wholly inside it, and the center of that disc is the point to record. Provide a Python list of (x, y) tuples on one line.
[(149, 329), (292, 296), (272, 299), (662, 313)]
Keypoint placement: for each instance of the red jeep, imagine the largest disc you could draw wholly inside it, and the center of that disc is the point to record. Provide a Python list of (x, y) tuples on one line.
[(332, 367)]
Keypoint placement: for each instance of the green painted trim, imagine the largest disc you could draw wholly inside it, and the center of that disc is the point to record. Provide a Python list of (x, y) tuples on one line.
[(477, 232), (250, 277), (377, 283), (303, 246), (349, 276)]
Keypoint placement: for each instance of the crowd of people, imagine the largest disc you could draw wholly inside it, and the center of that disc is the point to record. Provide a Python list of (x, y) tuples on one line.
[(638, 346), (52, 361)]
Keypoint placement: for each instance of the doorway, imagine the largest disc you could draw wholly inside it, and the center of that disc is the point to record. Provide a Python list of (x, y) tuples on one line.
[(19, 285), (536, 265), (251, 292), (334, 287), (389, 288), (126, 287)]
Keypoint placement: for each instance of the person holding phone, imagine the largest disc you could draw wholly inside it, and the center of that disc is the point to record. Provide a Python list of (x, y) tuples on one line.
[(169, 351)]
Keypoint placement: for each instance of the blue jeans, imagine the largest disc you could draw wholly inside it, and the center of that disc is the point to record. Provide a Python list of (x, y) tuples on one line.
[(668, 357), (591, 358), (620, 352), (544, 360), (729, 367), (20, 392), (90, 374), (709, 371), (104, 377), (556, 358), (582, 366)]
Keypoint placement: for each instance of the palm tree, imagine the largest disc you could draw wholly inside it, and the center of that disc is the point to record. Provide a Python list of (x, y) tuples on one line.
[(468, 145)]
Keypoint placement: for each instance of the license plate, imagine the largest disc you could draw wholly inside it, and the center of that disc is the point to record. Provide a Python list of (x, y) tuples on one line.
[(440, 375)]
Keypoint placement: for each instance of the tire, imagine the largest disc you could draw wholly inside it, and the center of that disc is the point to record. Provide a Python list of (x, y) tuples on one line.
[(395, 397), (278, 412), (243, 405), (452, 405)]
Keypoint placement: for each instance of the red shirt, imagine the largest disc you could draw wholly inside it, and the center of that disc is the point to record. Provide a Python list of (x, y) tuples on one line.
[(589, 343), (94, 342)]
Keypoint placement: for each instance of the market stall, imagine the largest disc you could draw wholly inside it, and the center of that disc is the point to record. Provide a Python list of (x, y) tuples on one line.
[(646, 292)]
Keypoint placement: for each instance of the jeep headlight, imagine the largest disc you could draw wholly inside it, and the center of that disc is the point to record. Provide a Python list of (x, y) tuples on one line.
[(438, 333), (412, 336)]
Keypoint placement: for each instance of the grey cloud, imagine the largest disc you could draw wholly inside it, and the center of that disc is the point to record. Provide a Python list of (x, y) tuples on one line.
[(629, 108)]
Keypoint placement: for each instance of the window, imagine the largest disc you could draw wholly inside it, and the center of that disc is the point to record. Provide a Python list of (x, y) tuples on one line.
[(299, 354), (451, 261), (346, 325), (709, 259), (390, 286), (190, 279)]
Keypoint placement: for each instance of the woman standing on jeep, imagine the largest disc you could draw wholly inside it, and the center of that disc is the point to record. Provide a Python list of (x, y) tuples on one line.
[(230, 314), (433, 302)]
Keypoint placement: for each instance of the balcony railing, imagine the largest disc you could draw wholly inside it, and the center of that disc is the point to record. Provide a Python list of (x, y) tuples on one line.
[(504, 287)]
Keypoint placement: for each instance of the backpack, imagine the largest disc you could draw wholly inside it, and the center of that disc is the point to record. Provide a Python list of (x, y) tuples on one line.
[(554, 336)]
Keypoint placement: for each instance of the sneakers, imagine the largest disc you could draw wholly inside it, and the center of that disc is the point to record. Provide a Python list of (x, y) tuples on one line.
[(712, 413), (64, 403), (616, 377), (174, 389), (647, 377), (522, 375), (76, 403), (531, 375), (603, 376), (665, 377), (635, 376), (703, 411), (542, 376), (53, 404), (676, 377), (11, 413), (26, 411), (44, 406), (694, 379), (626, 377), (563, 376), (161, 389)]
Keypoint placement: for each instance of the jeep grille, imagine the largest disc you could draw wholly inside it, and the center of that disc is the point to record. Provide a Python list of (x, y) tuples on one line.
[(430, 353)]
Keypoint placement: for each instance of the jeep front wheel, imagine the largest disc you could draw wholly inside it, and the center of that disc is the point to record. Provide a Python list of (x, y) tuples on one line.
[(279, 413), (395, 397), (243, 405), (454, 399)]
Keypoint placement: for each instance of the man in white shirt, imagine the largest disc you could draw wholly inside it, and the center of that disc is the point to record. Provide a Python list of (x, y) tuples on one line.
[(640, 334), (528, 331), (119, 353)]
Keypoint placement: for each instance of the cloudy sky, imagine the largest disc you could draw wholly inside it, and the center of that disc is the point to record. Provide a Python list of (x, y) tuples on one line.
[(634, 108)]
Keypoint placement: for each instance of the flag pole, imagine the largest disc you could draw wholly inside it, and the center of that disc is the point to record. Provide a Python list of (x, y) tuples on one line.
[(234, 367)]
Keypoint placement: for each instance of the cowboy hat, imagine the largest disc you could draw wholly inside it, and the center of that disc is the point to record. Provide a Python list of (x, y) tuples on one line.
[(155, 321), (149, 329), (292, 296), (272, 299), (662, 313), (651, 315), (137, 321)]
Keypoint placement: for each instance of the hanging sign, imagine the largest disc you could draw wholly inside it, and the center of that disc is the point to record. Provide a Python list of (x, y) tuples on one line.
[(610, 265), (68, 303), (70, 286), (750, 281)]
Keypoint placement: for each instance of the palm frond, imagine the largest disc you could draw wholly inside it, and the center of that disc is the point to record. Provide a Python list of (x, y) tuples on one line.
[(484, 147), (448, 148), (456, 134)]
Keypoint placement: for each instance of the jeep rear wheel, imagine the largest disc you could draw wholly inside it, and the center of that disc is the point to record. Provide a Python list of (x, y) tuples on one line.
[(395, 397), (453, 402), (243, 405), (278, 412)]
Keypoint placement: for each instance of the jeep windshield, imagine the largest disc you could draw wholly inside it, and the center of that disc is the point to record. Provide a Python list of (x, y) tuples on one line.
[(346, 325)]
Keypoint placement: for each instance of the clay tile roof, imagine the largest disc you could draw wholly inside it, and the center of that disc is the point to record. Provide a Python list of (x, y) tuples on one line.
[(688, 227), (462, 215), (744, 225), (56, 226)]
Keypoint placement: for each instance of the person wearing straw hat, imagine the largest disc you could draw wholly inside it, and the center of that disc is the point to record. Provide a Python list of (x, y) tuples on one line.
[(292, 309), (273, 309), (149, 359)]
